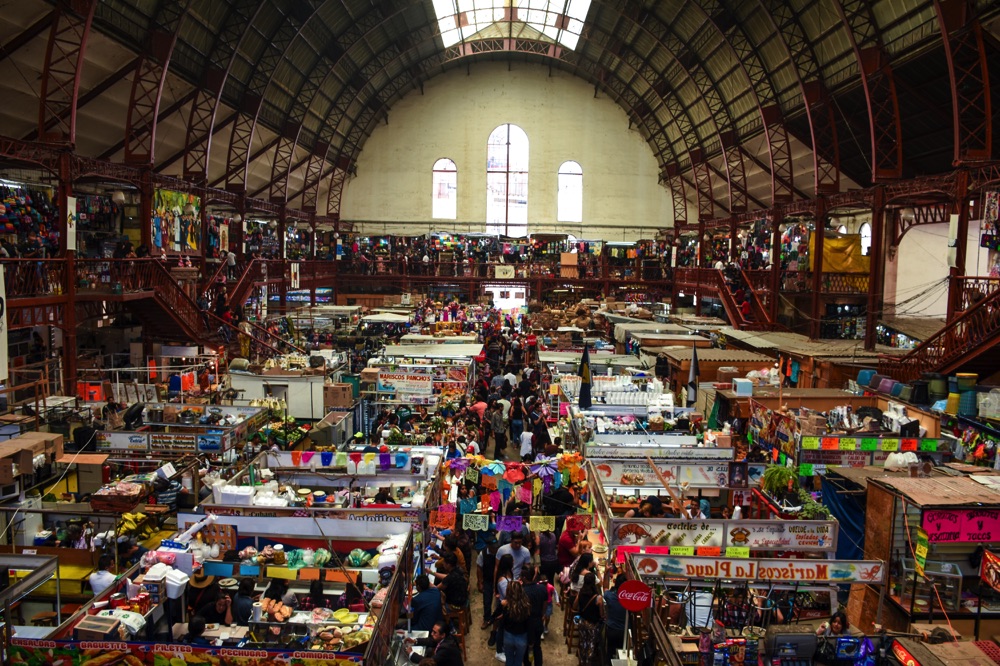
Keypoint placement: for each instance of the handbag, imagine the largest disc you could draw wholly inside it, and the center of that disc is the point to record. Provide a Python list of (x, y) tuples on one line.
[(565, 577)]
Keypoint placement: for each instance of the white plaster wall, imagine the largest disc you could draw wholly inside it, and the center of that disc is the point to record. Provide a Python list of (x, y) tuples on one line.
[(563, 120), (922, 259)]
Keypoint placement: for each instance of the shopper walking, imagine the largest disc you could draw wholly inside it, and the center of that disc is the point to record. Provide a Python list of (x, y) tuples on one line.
[(614, 625), (516, 609), (538, 596), (590, 607)]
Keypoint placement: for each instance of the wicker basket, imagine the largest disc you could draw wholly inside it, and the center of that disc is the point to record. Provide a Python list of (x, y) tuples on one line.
[(116, 503)]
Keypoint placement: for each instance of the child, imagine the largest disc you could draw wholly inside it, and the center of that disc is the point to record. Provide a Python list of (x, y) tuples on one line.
[(551, 590)]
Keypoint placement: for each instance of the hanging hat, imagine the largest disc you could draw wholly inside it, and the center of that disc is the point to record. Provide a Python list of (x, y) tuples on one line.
[(229, 584), (201, 580)]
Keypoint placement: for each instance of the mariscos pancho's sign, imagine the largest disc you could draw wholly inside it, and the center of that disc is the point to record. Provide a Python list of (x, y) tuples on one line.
[(962, 525), (775, 571)]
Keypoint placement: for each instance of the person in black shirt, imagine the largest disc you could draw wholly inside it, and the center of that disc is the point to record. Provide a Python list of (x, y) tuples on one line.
[(454, 584), (219, 611), (539, 597), (442, 647)]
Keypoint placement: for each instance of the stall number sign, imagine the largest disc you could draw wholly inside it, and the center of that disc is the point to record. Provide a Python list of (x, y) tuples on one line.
[(791, 535), (122, 441), (777, 571), (962, 526)]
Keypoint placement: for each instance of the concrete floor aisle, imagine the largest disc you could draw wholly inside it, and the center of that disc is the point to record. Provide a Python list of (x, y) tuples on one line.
[(554, 652)]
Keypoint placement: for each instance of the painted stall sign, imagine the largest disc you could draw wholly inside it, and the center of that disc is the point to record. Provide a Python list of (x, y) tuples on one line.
[(122, 441), (777, 571), (406, 383), (638, 473), (783, 535), (168, 441), (962, 525)]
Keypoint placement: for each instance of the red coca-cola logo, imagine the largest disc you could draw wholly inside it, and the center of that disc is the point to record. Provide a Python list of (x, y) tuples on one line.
[(634, 595), (532, 341)]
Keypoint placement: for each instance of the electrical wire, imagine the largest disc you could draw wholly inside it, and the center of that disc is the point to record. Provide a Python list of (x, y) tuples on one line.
[(10, 521)]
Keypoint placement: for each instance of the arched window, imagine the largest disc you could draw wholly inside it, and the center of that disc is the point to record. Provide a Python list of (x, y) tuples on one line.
[(507, 181), (866, 238), (444, 199), (570, 205)]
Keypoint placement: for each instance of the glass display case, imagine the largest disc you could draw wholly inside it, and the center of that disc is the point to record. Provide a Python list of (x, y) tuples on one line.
[(945, 575)]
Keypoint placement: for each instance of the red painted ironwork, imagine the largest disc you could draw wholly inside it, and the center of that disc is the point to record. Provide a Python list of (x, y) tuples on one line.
[(736, 171), (968, 72), (826, 150), (880, 88), (202, 124), (147, 85), (57, 100), (974, 330), (703, 183)]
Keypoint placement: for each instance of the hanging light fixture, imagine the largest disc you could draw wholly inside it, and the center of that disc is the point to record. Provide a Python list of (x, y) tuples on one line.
[(238, 218), (273, 224), (189, 209), (781, 228), (118, 197)]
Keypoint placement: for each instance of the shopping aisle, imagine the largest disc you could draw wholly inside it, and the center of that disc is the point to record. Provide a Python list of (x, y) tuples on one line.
[(554, 650)]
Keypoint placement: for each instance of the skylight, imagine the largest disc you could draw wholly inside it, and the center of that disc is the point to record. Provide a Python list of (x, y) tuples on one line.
[(559, 20)]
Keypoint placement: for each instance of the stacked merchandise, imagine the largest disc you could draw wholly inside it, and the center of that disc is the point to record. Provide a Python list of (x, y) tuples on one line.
[(27, 211)]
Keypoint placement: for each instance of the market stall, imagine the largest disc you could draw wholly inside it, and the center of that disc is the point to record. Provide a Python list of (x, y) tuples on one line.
[(953, 519), (170, 430), (738, 610), (422, 374)]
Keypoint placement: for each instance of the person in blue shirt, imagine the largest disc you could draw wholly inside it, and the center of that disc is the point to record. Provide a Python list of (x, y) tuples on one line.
[(425, 607), (452, 451)]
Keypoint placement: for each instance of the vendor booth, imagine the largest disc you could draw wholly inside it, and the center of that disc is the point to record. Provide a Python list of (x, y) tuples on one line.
[(167, 430)]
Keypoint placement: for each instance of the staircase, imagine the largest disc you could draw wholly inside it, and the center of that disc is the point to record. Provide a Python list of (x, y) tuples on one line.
[(165, 310), (969, 341), (759, 320)]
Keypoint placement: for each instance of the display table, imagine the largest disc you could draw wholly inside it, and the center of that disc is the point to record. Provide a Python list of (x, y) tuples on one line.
[(213, 632)]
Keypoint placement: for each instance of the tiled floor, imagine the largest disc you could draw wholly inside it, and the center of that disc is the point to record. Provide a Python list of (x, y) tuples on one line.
[(554, 649)]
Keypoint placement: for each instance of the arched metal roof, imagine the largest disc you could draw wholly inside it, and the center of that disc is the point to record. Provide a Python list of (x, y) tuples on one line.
[(736, 98)]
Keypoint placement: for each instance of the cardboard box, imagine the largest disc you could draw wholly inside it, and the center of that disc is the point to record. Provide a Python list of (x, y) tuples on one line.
[(170, 414), (52, 443), (95, 628), (338, 395)]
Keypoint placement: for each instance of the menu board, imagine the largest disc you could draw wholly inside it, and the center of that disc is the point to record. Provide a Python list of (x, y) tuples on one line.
[(962, 525), (777, 535), (169, 441)]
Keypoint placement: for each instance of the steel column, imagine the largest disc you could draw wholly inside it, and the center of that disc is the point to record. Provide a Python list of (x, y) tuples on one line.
[(961, 208), (703, 182), (64, 191), (819, 231), (876, 272)]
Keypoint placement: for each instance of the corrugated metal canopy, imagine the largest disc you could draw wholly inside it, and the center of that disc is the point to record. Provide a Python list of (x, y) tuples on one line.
[(294, 85)]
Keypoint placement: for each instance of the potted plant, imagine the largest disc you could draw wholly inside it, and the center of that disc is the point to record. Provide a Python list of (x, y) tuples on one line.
[(780, 482)]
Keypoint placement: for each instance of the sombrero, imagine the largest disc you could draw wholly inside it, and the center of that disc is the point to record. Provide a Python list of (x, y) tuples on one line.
[(200, 580)]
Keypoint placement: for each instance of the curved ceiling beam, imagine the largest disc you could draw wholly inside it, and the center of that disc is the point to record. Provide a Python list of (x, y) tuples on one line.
[(805, 66), (241, 137), (759, 79), (147, 82), (67, 44), (288, 141), (204, 109), (968, 72), (879, 84)]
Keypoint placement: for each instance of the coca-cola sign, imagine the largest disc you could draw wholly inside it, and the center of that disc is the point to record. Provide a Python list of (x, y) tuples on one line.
[(634, 595)]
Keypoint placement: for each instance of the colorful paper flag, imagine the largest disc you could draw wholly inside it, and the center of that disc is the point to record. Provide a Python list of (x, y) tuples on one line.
[(476, 521), (442, 519), (542, 523), (509, 523)]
